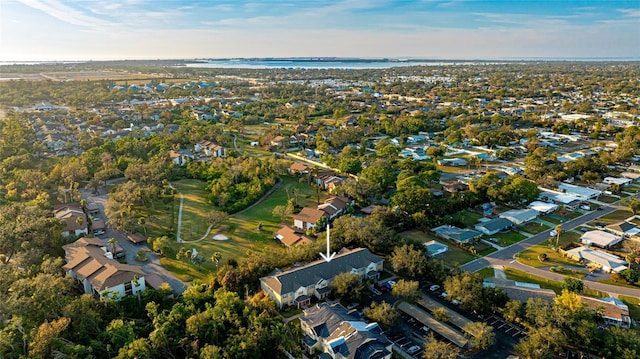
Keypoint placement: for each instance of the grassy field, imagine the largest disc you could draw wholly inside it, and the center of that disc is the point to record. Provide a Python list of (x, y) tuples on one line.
[(455, 256), (468, 218), (241, 229), (509, 238), (621, 283), (534, 227), (634, 305), (556, 286), (607, 199), (551, 219), (530, 257), (486, 272), (616, 216)]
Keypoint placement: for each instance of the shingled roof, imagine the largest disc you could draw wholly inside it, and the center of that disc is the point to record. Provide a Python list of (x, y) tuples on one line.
[(345, 261)]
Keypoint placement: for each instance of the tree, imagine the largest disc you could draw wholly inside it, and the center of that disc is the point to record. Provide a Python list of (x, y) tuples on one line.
[(407, 261), (480, 334), (630, 275), (383, 313), (558, 230), (409, 290), (435, 349), (467, 288), (161, 245), (441, 314), (216, 257), (349, 287), (573, 285), (47, 338), (216, 217), (113, 244)]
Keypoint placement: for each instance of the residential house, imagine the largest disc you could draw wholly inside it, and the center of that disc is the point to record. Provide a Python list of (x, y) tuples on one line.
[(308, 217), (605, 261), (74, 220), (180, 157), (600, 239), (494, 226), (339, 334), (292, 237), (460, 235), (296, 285), (456, 187), (613, 310), (520, 216), (623, 229), (620, 181), (328, 179), (435, 248), (93, 267), (278, 141), (582, 193), (543, 207), (210, 149), (335, 206), (299, 168), (54, 142), (455, 162)]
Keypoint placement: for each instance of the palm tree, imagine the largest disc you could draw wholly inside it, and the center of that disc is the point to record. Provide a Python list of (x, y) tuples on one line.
[(216, 257), (558, 230), (142, 221), (113, 243)]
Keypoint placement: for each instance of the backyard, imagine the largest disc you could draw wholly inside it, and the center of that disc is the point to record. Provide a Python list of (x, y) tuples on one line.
[(454, 257)]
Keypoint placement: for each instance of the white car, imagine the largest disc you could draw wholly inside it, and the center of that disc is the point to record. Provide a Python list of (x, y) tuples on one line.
[(392, 283), (434, 287), (444, 294), (414, 349)]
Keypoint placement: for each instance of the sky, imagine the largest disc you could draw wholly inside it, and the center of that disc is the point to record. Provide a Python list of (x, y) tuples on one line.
[(45, 30)]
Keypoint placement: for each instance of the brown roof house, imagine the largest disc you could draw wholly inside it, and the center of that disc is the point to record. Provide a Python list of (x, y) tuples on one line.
[(89, 262), (299, 168), (136, 238), (296, 286), (292, 237), (308, 217), (209, 149), (73, 218), (335, 206)]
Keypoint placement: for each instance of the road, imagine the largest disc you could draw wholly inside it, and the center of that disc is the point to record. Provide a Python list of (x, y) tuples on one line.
[(506, 256), (152, 265)]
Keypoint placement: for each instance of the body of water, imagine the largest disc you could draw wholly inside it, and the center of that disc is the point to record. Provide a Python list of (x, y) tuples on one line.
[(322, 64)]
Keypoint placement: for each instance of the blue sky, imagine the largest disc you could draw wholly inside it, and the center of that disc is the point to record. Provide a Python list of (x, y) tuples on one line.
[(139, 29)]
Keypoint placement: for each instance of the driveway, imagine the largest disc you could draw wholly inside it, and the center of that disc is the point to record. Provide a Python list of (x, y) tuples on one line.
[(152, 265)]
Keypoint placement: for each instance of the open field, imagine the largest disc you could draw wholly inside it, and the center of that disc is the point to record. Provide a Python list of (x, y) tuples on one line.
[(486, 272), (509, 238), (533, 227), (607, 199), (468, 218), (616, 216), (552, 219), (242, 228), (455, 256), (620, 283), (530, 257)]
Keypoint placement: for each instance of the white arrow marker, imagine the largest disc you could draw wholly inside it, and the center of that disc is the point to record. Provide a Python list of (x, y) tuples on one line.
[(329, 256)]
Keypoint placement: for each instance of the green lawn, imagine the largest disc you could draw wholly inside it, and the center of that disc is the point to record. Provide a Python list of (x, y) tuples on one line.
[(242, 229), (551, 219), (454, 257), (616, 216), (468, 218), (634, 305), (556, 286), (486, 272), (534, 227), (486, 250), (509, 238), (530, 257), (607, 199)]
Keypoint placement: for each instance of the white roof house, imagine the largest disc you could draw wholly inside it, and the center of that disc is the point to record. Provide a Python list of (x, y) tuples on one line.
[(608, 262), (434, 248), (620, 181), (543, 207), (580, 192), (519, 216), (600, 239)]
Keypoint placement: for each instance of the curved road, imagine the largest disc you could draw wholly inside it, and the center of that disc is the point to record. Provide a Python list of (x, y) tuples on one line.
[(506, 256)]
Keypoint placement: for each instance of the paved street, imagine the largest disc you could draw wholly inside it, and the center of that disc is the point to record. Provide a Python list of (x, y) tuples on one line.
[(152, 265), (505, 257)]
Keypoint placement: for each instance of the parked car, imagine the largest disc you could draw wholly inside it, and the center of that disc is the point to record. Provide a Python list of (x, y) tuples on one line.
[(414, 349), (425, 329), (434, 287)]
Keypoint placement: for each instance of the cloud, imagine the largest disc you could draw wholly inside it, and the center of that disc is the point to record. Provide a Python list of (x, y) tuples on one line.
[(630, 12), (65, 13)]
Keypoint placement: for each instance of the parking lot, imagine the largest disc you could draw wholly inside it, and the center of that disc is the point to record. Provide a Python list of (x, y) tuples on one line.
[(501, 325)]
